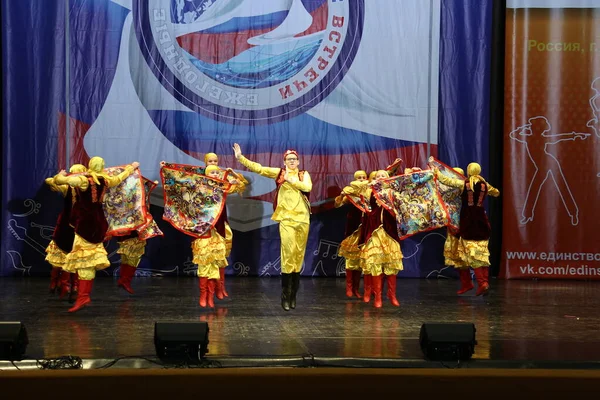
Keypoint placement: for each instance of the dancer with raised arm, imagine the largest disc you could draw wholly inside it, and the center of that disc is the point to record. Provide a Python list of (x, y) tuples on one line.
[(239, 183), (62, 239), (88, 254), (352, 196), (380, 249), (292, 212)]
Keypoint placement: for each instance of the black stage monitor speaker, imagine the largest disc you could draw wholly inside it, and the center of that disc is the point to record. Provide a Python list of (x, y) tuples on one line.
[(447, 341), (13, 341), (181, 341)]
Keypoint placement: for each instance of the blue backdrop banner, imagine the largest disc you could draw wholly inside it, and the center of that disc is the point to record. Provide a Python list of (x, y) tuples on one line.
[(349, 84)]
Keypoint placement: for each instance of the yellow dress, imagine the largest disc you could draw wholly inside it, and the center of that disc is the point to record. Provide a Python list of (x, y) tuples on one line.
[(131, 251), (453, 251), (349, 246), (54, 255), (210, 252), (86, 257), (468, 253), (381, 254), (292, 213)]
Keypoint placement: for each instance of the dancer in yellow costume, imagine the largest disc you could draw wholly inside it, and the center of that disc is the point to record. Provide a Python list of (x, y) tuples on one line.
[(239, 186), (381, 254), (349, 246), (88, 220), (474, 226), (292, 211), (131, 249), (452, 252), (62, 239), (210, 252)]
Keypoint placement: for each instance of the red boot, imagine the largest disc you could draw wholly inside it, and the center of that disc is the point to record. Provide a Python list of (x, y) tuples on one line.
[(203, 285), (391, 290), (74, 282), (482, 283), (219, 287), (210, 297), (377, 289), (368, 288), (466, 283), (222, 282), (356, 284), (127, 272), (54, 279), (65, 284), (83, 298), (349, 276)]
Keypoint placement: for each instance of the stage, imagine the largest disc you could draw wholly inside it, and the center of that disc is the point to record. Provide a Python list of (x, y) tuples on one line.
[(520, 324)]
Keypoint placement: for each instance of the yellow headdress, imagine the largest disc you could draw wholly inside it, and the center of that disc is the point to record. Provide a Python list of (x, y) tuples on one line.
[(473, 170), (359, 172), (209, 155), (372, 175), (96, 168), (77, 168), (211, 168), (387, 174)]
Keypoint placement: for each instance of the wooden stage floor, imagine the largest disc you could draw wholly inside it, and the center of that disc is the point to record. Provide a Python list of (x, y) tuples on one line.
[(519, 323)]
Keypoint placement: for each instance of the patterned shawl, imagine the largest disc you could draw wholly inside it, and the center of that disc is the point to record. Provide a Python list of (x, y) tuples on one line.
[(415, 201), (125, 204), (450, 195), (150, 229), (193, 202)]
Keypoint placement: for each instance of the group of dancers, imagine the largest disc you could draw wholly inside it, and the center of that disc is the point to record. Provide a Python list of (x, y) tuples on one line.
[(371, 246)]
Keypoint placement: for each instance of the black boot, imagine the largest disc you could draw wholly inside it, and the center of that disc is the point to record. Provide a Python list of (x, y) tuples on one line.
[(286, 290), (295, 286)]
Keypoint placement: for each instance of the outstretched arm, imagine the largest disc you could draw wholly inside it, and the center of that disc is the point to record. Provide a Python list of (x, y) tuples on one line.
[(446, 180), (112, 181), (57, 188), (393, 168), (492, 191), (340, 201), (254, 166), (559, 137), (77, 181)]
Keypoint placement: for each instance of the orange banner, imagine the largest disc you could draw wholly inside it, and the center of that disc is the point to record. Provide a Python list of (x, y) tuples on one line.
[(551, 143)]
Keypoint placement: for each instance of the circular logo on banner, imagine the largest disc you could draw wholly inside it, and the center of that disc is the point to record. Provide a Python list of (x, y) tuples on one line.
[(249, 61)]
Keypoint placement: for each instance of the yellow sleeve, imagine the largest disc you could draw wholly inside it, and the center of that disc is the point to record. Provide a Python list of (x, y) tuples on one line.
[(457, 183), (239, 187), (492, 191), (77, 181), (235, 189), (63, 189), (241, 178), (259, 169), (112, 181), (304, 185), (340, 201), (56, 188)]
